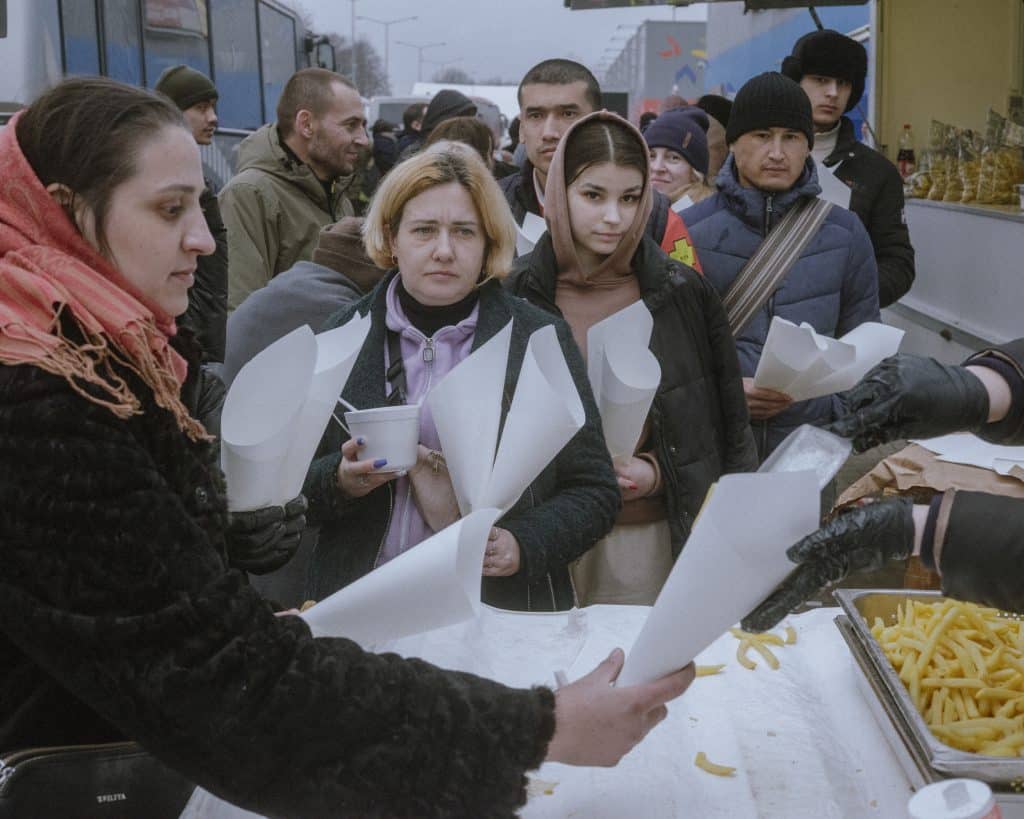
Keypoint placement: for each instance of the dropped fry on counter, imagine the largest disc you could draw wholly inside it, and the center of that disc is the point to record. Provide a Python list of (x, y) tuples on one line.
[(706, 764), (710, 670), (760, 643)]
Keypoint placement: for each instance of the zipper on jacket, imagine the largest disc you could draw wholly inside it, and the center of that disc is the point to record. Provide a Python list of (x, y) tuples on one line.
[(387, 525), (768, 210), (428, 352)]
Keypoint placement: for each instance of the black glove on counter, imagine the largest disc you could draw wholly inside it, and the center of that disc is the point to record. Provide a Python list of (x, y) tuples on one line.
[(263, 540), (862, 538), (911, 397)]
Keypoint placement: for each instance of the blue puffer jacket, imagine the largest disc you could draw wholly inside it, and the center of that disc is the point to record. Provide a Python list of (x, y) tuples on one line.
[(833, 286)]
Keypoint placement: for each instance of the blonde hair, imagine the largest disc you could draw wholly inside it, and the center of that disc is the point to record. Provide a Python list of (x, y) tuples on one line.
[(440, 164)]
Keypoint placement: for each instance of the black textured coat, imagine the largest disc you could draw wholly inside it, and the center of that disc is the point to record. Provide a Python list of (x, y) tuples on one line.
[(569, 507), (877, 198), (119, 618), (699, 419), (982, 555), (207, 313)]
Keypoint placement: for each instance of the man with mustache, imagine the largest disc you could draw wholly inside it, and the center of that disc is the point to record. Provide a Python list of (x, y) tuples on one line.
[(832, 284), (288, 184), (831, 68), (207, 314)]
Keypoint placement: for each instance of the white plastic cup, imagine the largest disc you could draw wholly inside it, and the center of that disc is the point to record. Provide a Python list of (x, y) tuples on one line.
[(954, 799), (391, 433)]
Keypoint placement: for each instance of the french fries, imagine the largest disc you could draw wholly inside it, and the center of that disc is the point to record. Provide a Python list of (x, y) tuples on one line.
[(705, 764), (709, 670), (760, 643), (963, 666)]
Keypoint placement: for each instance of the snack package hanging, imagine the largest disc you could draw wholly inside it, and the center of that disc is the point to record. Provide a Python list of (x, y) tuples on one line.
[(1002, 161), (919, 183), (954, 185), (940, 160), (971, 145)]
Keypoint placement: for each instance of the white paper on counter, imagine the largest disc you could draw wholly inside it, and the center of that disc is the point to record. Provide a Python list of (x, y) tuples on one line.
[(260, 414), (529, 232), (466, 407), (833, 189), (970, 450), (337, 351), (804, 364), (546, 413), (734, 558), (436, 583), (624, 375)]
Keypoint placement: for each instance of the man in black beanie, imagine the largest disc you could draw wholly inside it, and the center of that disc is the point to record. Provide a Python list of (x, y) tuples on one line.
[(207, 312), (832, 68), (832, 284)]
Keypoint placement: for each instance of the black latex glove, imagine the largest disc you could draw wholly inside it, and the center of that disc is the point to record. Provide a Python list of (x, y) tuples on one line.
[(263, 540), (862, 538), (907, 396)]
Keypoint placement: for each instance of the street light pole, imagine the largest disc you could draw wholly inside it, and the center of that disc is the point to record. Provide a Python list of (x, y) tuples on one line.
[(420, 49), (352, 61), (387, 40)]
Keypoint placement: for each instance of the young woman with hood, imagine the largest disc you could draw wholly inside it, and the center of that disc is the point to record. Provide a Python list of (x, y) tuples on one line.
[(594, 261)]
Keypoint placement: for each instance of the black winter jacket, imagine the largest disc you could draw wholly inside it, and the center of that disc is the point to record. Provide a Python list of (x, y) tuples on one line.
[(565, 511), (877, 198), (207, 313), (119, 618), (700, 423), (982, 550)]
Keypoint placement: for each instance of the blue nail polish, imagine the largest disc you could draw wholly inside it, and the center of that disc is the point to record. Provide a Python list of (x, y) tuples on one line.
[(380, 462), (360, 441)]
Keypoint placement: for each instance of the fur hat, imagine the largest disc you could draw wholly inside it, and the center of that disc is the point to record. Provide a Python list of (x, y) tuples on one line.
[(185, 86), (685, 131), (770, 100), (828, 53)]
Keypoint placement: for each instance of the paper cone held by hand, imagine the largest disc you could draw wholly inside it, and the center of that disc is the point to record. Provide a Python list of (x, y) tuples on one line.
[(434, 584)]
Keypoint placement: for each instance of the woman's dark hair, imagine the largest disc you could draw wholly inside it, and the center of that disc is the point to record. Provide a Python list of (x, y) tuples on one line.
[(602, 140), (469, 130), (85, 133)]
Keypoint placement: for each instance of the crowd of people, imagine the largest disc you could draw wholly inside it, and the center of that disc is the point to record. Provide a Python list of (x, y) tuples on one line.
[(132, 292)]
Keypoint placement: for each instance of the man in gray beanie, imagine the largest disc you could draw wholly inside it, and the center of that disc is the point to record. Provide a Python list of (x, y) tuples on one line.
[(832, 68), (207, 311), (832, 284)]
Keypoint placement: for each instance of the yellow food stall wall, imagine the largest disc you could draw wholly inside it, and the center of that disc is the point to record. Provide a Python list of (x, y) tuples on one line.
[(949, 60)]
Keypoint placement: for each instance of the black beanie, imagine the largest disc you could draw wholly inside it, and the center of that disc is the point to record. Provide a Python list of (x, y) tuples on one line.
[(185, 86), (829, 54), (770, 100), (685, 131), (446, 104), (715, 106)]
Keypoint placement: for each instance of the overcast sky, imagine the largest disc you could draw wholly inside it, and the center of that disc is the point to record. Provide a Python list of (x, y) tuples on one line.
[(488, 37)]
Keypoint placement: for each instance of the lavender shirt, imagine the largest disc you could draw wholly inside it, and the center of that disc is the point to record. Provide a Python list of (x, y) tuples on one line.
[(422, 370)]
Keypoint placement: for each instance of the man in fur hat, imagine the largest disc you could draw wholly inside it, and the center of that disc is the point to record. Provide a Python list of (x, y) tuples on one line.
[(832, 69)]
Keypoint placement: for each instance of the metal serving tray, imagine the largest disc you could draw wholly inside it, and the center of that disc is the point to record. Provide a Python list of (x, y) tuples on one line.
[(862, 607)]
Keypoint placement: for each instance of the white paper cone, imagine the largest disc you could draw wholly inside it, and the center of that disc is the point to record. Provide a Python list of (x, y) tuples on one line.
[(629, 382), (434, 584), (260, 413), (337, 351), (734, 558), (872, 342), (630, 327), (466, 407), (546, 413)]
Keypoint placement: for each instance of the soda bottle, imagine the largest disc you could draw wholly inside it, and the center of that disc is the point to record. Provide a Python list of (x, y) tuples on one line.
[(905, 158)]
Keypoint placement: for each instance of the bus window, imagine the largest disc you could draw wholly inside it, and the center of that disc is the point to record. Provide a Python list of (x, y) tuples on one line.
[(123, 50), (81, 38), (176, 32), (236, 68), (277, 36)]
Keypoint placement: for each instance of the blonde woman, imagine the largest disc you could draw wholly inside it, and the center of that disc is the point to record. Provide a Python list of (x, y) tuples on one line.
[(440, 221), (678, 143)]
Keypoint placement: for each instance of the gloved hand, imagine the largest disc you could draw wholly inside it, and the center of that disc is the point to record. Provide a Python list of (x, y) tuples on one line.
[(864, 537), (263, 540), (911, 397)]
